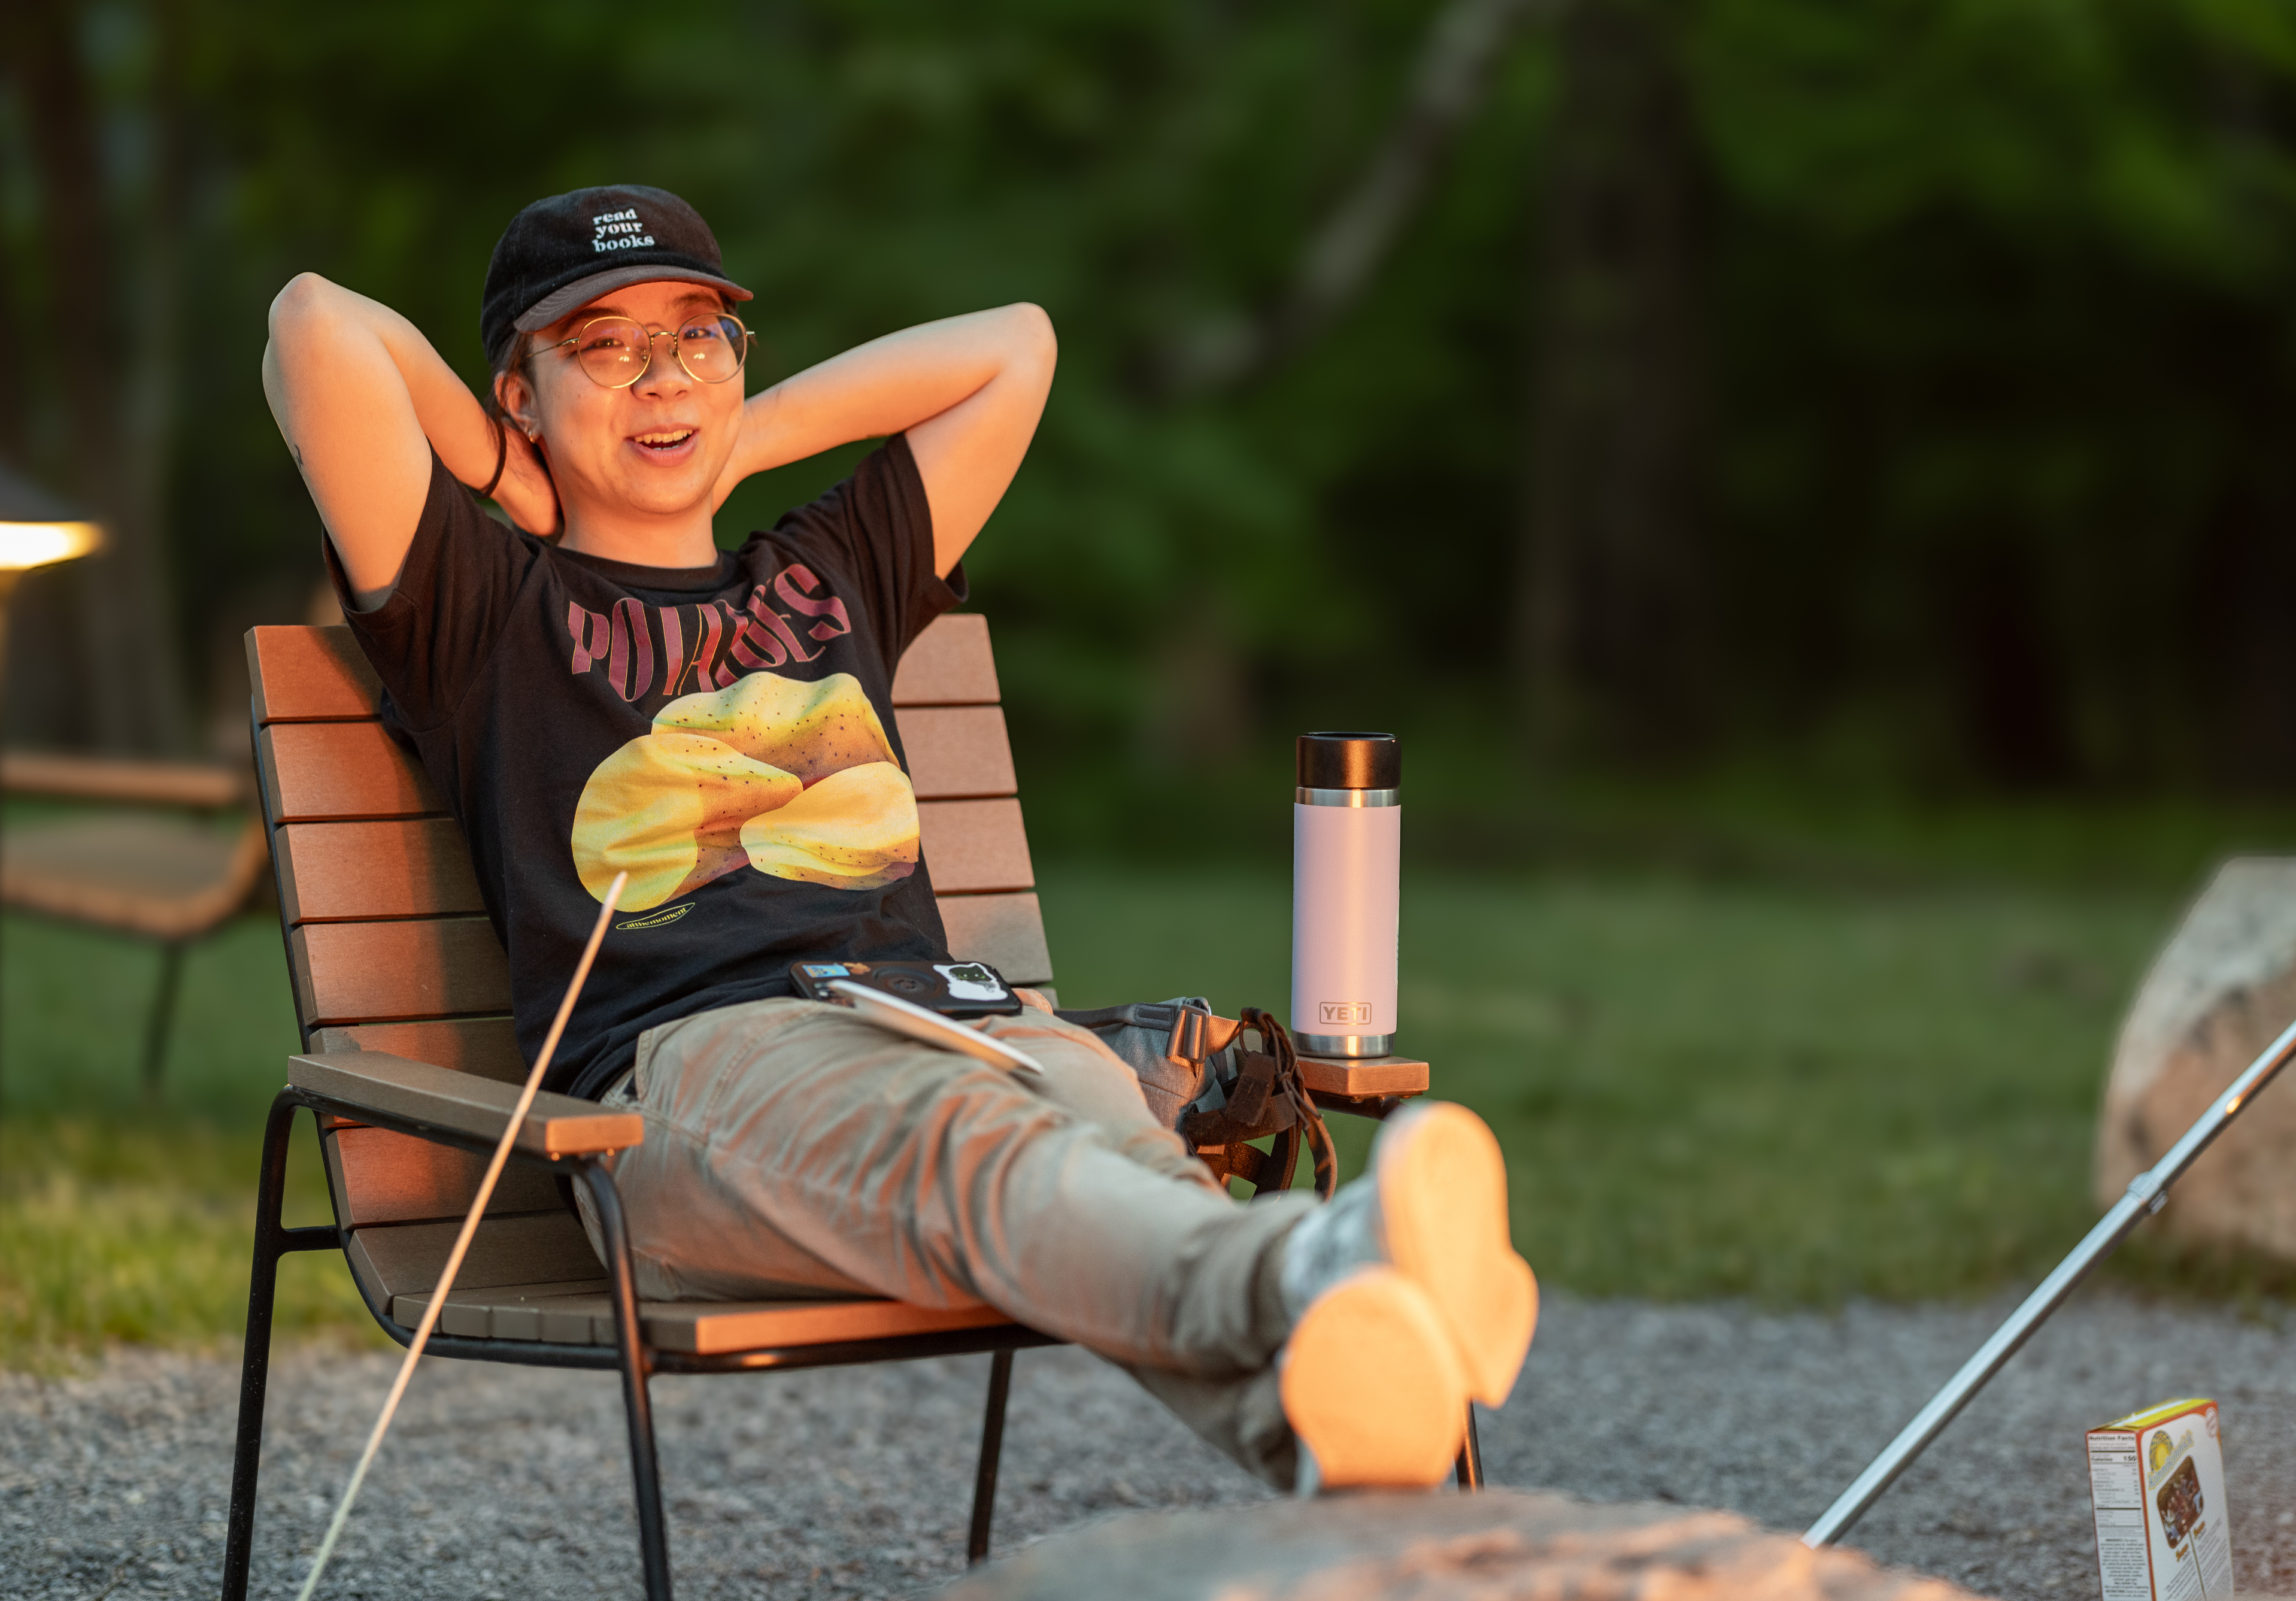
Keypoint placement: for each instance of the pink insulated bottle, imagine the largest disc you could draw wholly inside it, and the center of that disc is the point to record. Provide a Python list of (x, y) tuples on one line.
[(1347, 840)]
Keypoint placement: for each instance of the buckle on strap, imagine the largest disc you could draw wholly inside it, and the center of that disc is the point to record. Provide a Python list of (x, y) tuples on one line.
[(1197, 1034)]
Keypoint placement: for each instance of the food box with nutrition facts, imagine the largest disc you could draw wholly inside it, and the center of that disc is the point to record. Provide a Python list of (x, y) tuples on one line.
[(2156, 1484)]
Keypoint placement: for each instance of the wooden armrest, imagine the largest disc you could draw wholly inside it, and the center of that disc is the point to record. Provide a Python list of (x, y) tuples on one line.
[(111, 779), (391, 1086)]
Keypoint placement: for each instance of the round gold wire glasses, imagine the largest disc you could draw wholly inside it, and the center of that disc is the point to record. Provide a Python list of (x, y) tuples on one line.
[(616, 351)]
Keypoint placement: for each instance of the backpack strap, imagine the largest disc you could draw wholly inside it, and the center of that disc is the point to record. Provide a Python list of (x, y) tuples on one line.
[(1198, 1035), (1245, 1094), (1267, 1095), (1140, 1015)]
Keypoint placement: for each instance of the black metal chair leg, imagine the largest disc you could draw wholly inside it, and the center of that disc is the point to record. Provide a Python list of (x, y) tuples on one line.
[(992, 1447), (163, 1014), (271, 1241), (1469, 1470), (629, 1338)]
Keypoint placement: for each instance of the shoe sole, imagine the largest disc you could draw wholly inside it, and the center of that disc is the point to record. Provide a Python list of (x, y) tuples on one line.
[(1371, 1385), (1443, 1209)]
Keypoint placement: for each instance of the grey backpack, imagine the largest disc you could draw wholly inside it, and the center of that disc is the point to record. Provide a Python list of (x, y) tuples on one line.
[(1201, 1079)]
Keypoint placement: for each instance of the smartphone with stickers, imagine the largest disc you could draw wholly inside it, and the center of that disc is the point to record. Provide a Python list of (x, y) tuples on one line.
[(952, 989)]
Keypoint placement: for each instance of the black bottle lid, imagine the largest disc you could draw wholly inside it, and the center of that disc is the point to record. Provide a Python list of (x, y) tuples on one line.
[(1350, 761)]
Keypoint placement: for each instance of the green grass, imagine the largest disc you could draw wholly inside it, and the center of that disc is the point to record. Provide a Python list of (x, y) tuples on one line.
[(1797, 1094), (139, 1231), (123, 1218), (1706, 1086)]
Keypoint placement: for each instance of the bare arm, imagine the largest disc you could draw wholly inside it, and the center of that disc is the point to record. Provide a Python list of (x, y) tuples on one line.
[(968, 390), (362, 400)]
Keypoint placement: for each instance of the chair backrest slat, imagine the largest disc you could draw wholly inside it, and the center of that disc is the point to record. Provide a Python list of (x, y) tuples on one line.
[(949, 664), (310, 675), (336, 872), (1007, 931), (383, 1177), (975, 846), (485, 1046), (957, 752), (304, 675), (402, 969), (340, 771)]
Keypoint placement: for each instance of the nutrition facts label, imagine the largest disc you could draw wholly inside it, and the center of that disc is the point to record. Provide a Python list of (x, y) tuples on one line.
[(2116, 1491)]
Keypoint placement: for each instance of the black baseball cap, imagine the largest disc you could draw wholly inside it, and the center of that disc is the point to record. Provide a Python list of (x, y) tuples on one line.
[(563, 252)]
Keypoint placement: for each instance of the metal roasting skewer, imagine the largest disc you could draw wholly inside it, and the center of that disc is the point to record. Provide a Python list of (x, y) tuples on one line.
[(462, 1241), (2146, 1194)]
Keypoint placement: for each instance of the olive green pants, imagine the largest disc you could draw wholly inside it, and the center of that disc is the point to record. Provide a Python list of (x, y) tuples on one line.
[(793, 1149)]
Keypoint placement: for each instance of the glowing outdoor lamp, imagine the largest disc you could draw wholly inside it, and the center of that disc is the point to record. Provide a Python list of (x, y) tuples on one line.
[(37, 530), (36, 544)]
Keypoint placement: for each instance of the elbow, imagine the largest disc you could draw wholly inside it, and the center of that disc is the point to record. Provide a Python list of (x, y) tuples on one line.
[(1035, 346), (305, 300)]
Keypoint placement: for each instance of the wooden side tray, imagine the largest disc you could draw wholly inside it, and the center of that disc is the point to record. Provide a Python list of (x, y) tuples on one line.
[(1342, 1079)]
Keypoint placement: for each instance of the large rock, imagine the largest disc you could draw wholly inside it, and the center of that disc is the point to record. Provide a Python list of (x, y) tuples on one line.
[(1504, 1543), (2221, 990)]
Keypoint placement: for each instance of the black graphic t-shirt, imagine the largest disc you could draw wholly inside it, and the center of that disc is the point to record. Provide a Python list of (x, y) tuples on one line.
[(724, 733)]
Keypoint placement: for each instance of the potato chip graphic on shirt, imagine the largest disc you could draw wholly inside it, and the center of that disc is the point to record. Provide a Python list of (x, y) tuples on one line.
[(670, 809), (811, 729), (701, 795), (855, 830)]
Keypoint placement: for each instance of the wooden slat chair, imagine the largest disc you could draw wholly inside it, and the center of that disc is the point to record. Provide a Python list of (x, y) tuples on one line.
[(148, 871), (411, 1067)]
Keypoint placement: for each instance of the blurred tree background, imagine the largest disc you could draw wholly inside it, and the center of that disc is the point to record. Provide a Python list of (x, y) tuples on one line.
[(1811, 483), (1896, 396)]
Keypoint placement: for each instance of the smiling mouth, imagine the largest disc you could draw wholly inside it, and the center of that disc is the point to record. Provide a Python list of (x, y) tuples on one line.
[(669, 439)]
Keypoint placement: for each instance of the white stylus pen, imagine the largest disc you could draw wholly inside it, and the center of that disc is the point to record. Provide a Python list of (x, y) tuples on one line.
[(905, 1017)]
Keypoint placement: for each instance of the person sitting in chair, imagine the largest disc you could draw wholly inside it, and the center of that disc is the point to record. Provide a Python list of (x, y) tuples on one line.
[(597, 687)]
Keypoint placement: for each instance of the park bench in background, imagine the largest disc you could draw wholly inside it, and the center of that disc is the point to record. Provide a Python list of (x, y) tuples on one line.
[(402, 992), (159, 869)]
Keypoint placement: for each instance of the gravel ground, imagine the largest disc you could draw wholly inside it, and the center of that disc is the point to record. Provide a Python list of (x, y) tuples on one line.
[(500, 1481)]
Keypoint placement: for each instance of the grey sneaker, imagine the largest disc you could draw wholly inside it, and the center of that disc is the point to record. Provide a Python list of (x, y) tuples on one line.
[(1432, 1207)]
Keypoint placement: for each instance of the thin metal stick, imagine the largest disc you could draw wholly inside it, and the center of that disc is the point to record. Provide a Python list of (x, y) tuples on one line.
[(2146, 1194), (437, 1302)]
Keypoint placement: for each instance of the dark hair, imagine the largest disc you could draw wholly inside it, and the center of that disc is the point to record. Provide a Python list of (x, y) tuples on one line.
[(517, 357)]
